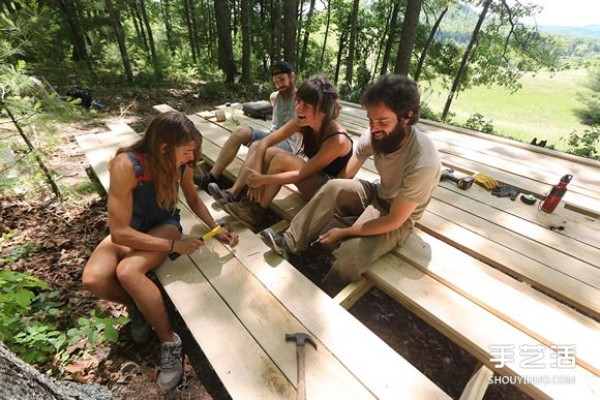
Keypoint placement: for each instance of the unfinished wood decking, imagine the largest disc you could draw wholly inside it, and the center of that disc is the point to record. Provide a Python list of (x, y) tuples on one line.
[(239, 303), (480, 268)]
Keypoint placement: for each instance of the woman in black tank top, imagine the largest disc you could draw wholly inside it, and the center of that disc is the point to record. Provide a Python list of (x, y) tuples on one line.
[(325, 143)]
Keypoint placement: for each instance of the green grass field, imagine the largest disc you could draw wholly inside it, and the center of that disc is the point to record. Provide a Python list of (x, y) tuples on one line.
[(542, 109)]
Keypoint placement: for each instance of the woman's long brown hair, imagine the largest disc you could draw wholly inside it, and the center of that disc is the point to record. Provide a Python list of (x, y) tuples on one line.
[(319, 92), (165, 132)]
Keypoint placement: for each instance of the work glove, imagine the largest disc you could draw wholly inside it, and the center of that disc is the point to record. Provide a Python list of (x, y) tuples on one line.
[(486, 181), (505, 191)]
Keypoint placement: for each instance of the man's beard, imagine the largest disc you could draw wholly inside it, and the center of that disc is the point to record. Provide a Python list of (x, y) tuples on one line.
[(390, 143)]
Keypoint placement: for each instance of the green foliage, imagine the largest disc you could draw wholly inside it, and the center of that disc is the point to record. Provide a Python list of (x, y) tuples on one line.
[(479, 123), (586, 144), (590, 113), (30, 316)]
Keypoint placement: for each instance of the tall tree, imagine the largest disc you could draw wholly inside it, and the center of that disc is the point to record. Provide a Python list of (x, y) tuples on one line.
[(168, 26), (246, 52), (289, 30), (68, 8), (307, 29), (327, 24), (223, 21), (187, 16), (118, 29), (277, 28), (429, 41), (352, 44), (465, 58), (153, 54), (408, 36), (391, 38)]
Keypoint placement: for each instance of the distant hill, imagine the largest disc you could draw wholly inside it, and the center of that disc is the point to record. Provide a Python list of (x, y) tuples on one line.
[(592, 31)]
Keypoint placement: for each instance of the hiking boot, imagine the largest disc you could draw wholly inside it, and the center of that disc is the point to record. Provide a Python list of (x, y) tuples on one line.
[(171, 365), (249, 214), (203, 179), (141, 330), (221, 196), (274, 241)]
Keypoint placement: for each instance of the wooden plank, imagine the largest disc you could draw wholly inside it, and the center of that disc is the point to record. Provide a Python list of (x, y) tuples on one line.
[(372, 361), (267, 321), (162, 108), (530, 231), (527, 309), (478, 331), (353, 292), (244, 368), (478, 384)]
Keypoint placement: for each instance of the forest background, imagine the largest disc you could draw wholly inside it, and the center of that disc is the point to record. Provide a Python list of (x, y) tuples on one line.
[(482, 64)]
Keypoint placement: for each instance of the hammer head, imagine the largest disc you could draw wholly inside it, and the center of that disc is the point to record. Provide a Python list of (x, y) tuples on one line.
[(448, 174), (300, 339)]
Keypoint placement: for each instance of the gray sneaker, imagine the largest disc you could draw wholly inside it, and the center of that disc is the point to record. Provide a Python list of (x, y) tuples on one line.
[(171, 365), (221, 196), (141, 330), (275, 241)]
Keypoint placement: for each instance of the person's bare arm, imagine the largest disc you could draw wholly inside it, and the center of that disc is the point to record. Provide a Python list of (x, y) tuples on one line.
[(352, 167), (120, 209), (199, 208)]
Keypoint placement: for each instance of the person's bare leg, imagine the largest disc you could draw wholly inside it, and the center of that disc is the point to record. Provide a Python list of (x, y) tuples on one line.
[(240, 136), (242, 178), (279, 162), (131, 273), (99, 274)]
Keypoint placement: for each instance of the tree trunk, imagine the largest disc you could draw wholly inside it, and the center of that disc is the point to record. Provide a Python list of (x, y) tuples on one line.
[(408, 36), (392, 36), (38, 159), (465, 59), (70, 14), (434, 29), (157, 71), (299, 23), (226, 60), (352, 44), (338, 64), (140, 23), (188, 22), (246, 51), (307, 29), (277, 28), (289, 30), (19, 380), (326, 34), (118, 29), (168, 26)]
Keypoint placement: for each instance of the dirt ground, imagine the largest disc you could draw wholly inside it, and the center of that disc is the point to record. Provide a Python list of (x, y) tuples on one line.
[(66, 234)]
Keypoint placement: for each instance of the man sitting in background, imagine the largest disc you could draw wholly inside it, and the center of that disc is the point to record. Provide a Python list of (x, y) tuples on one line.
[(381, 215), (283, 98)]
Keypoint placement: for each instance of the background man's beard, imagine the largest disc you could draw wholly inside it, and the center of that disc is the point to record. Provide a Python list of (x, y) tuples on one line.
[(391, 142)]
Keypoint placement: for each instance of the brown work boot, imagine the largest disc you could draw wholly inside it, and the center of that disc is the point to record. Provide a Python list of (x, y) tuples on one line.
[(248, 213)]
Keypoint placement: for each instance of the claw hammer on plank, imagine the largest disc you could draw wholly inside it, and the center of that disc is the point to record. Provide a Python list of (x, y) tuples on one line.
[(300, 339)]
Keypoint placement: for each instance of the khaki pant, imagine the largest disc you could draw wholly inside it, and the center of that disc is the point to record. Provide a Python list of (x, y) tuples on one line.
[(353, 201)]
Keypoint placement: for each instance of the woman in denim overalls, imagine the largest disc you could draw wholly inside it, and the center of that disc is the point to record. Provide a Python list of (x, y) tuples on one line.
[(145, 227)]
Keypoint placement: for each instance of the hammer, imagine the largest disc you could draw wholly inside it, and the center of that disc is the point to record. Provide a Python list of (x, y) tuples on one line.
[(300, 339), (463, 183)]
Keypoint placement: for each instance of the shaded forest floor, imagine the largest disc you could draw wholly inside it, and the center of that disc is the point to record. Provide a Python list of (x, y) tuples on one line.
[(66, 234)]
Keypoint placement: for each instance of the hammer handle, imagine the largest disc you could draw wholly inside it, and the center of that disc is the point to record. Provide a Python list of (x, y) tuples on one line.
[(301, 393)]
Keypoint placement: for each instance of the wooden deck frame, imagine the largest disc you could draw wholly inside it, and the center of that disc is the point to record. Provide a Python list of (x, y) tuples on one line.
[(553, 307)]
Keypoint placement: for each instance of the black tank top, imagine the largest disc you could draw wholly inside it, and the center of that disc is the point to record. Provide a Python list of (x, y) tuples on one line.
[(311, 147)]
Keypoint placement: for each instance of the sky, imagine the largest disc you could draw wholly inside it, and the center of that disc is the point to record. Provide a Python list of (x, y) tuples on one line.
[(568, 12)]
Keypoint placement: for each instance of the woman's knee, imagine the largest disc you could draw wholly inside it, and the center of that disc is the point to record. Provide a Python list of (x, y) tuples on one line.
[(241, 135), (93, 281), (127, 274)]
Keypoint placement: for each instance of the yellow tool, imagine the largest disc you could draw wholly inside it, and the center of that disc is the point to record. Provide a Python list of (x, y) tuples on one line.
[(204, 237), (486, 181), (211, 233)]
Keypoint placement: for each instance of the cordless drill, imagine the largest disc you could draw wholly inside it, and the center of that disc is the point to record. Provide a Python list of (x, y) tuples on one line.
[(463, 183)]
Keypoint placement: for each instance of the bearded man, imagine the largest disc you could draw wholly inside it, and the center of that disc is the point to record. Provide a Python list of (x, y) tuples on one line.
[(380, 215)]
